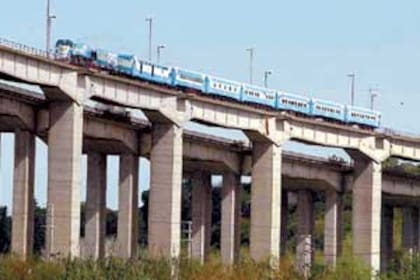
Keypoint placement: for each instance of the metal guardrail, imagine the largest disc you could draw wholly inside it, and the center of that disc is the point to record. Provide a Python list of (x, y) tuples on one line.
[(23, 48), (395, 132)]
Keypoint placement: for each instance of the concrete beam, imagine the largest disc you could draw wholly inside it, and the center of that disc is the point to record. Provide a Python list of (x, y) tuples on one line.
[(127, 232), (23, 194), (23, 114), (201, 215), (64, 158), (95, 206), (165, 191), (231, 218), (265, 201)]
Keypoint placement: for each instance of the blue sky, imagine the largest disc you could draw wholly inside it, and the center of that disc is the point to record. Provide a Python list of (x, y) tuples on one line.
[(309, 45)]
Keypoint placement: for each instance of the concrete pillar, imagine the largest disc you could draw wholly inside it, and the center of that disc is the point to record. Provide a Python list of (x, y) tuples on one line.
[(283, 222), (231, 218), (305, 226), (366, 213), (410, 229), (164, 230), (127, 232), (416, 229), (23, 194), (201, 215), (64, 160), (95, 206), (333, 227), (265, 201), (387, 236)]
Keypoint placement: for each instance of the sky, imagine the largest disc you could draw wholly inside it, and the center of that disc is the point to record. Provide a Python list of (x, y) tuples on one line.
[(310, 47)]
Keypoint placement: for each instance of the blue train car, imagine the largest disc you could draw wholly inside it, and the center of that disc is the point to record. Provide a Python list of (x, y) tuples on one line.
[(82, 50), (223, 87), (189, 79), (162, 74), (293, 102), (155, 73), (63, 49), (258, 95), (106, 60), (327, 109), (128, 64), (363, 116)]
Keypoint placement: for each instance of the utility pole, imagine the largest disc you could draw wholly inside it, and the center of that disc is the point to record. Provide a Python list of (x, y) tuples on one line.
[(50, 17), (251, 62), (150, 21), (352, 77), (373, 93), (266, 74), (160, 47)]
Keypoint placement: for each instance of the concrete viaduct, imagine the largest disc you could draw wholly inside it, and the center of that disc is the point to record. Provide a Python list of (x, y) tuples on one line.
[(69, 129)]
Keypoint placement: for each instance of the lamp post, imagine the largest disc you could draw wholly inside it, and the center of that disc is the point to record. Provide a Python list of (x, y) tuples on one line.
[(251, 61), (266, 74), (150, 21), (158, 49), (373, 93), (50, 17), (352, 77)]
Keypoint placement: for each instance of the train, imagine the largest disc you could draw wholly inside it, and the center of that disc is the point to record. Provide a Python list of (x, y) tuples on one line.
[(133, 67)]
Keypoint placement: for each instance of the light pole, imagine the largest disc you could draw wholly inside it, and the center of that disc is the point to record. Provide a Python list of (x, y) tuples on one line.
[(251, 61), (352, 76), (373, 93), (160, 47), (266, 74), (150, 21), (50, 17)]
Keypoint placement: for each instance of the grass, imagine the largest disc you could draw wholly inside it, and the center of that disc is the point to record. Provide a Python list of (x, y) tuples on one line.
[(404, 268)]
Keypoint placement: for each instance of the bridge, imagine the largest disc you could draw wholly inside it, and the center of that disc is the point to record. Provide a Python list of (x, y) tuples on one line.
[(70, 128)]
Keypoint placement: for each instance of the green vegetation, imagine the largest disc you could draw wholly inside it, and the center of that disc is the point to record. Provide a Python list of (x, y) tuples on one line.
[(402, 267)]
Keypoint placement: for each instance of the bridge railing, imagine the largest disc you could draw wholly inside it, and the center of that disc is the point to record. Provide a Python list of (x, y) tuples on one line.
[(22, 47)]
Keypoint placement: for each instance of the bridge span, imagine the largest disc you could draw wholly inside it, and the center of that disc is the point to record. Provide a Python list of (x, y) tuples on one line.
[(69, 128)]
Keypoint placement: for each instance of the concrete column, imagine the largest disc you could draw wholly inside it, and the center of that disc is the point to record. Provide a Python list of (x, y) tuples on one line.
[(305, 221), (95, 206), (283, 222), (64, 160), (416, 229), (201, 215), (387, 236), (333, 227), (23, 194), (265, 201), (164, 230), (231, 218), (366, 213), (127, 232), (410, 229)]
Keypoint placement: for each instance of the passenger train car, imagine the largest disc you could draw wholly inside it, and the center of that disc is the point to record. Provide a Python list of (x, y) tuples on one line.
[(131, 66), (259, 95), (293, 102)]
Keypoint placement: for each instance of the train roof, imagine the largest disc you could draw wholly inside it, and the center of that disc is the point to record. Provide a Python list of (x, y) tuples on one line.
[(64, 42), (224, 80), (364, 110), (255, 87), (295, 95), (328, 102)]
